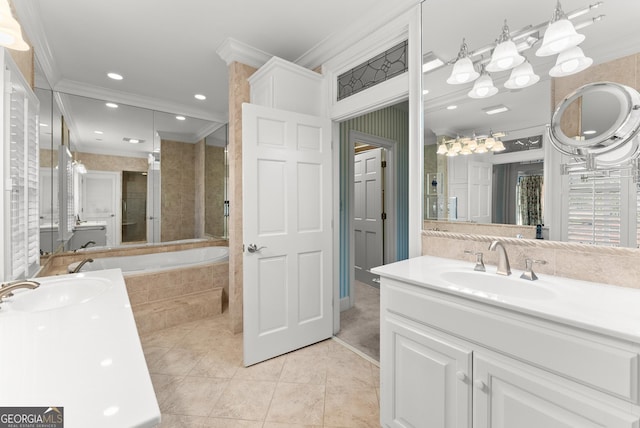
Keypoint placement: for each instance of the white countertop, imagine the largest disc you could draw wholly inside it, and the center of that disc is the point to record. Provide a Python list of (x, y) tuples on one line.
[(85, 357), (597, 307)]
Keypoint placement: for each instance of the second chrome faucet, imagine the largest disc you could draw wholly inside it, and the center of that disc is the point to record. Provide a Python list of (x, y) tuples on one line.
[(503, 260)]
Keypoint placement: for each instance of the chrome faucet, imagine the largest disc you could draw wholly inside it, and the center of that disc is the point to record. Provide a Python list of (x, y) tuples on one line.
[(503, 261), (528, 273), (7, 289), (82, 263)]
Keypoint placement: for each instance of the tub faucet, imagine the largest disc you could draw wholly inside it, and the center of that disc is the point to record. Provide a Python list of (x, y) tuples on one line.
[(82, 263), (7, 289), (503, 261), (86, 245)]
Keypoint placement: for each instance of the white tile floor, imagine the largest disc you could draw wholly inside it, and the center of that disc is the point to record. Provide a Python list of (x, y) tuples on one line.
[(199, 380)]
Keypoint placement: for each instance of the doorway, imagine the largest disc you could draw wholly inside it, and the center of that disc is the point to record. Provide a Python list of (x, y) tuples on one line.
[(100, 202), (383, 132), (134, 207)]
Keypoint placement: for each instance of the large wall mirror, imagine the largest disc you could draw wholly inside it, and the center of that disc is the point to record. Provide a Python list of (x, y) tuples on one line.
[(133, 175), (509, 185)]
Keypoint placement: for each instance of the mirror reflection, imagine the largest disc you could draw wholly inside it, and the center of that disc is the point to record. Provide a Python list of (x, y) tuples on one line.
[(119, 170), (508, 186)]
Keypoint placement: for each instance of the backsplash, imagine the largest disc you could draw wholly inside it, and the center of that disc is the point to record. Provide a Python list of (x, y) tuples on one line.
[(608, 265)]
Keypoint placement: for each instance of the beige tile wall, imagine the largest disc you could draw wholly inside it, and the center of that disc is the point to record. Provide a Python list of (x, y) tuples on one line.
[(200, 189), (214, 198), (178, 189)]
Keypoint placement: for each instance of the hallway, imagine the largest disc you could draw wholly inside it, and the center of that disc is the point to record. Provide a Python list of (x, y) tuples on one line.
[(360, 325)]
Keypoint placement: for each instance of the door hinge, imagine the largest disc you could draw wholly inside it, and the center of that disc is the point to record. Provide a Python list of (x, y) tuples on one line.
[(384, 216), (384, 164)]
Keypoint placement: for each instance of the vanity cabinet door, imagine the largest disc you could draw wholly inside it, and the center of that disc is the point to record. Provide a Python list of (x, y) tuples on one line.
[(425, 379), (509, 394)]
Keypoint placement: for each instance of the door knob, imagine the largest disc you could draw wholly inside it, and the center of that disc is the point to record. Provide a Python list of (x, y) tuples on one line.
[(253, 248)]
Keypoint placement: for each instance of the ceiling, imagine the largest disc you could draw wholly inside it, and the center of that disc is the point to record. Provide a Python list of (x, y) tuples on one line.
[(446, 23), (166, 51)]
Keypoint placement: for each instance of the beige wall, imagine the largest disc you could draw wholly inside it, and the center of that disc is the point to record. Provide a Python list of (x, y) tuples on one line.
[(200, 189), (94, 162), (615, 266), (214, 196), (178, 190)]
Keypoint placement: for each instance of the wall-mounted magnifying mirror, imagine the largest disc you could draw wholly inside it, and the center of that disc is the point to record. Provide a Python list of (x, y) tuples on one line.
[(599, 122)]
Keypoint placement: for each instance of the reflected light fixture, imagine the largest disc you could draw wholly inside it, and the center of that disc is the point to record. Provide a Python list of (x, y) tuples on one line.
[(560, 34), (505, 56), (115, 76), (200, 97), (570, 62), (10, 31), (483, 87), (463, 69), (111, 105), (521, 77), (181, 118)]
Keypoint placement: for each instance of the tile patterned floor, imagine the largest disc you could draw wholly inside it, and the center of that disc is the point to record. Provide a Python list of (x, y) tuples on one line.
[(197, 373)]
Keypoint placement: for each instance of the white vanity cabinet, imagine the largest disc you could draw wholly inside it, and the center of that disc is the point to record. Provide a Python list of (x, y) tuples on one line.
[(455, 358)]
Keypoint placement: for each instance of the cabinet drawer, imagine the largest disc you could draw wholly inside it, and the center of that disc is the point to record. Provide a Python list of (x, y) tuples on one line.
[(591, 359)]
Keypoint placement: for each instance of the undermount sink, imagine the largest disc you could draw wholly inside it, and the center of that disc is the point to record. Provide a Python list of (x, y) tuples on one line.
[(493, 285), (56, 294)]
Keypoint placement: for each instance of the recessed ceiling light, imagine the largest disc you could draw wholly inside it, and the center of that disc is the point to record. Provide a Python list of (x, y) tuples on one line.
[(112, 105), (181, 118), (496, 109), (590, 132), (98, 132), (425, 92), (115, 76), (200, 97), (132, 140), (452, 107), (44, 124)]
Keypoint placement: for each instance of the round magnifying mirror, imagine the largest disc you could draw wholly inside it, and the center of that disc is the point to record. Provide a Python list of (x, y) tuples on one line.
[(599, 120)]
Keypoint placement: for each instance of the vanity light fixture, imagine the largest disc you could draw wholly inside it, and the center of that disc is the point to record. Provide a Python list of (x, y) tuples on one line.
[(560, 34), (200, 97), (10, 31), (570, 62), (483, 87), (522, 77), (111, 105), (181, 118), (470, 145), (505, 56), (115, 76), (463, 69)]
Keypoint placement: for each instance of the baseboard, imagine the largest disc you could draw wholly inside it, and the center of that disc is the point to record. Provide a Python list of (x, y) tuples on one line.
[(345, 303)]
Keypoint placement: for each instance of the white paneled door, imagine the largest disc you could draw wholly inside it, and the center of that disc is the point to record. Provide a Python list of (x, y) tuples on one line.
[(101, 192), (480, 189), (287, 208), (367, 221)]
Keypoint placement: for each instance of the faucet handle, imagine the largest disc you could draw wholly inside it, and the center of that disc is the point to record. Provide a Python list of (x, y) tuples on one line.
[(479, 261), (528, 273)]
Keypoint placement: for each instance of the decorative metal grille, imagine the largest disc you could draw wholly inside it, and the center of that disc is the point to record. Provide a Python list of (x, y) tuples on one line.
[(378, 69)]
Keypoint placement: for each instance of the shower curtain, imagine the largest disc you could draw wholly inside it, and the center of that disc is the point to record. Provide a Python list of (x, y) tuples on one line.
[(530, 200)]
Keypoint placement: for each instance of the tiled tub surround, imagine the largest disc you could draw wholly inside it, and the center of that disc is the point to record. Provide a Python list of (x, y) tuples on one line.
[(166, 298), (608, 265)]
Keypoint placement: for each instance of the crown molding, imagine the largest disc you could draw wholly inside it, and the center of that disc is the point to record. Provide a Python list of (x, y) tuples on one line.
[(368, 23), (30, 19), (232, 50), (82, 89)]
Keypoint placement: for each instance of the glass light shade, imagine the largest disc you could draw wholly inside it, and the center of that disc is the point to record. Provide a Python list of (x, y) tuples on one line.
[(505, 56), (465, 150), (483, 88), (481, 148), (442, 149), (489, 142), (456, 147), (473, 144), (521, 77), (11, 34), (560, 35), (498, 146), (570, 62), (452, 152), (463, 72)]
